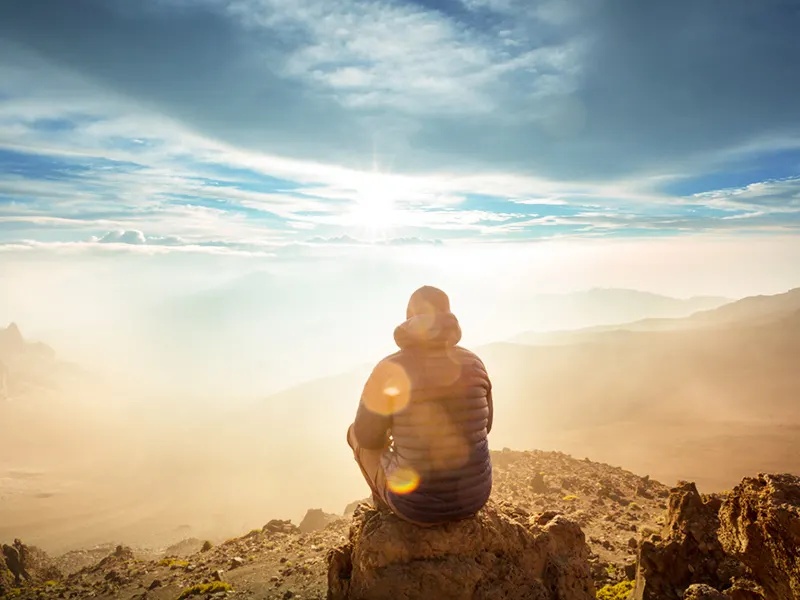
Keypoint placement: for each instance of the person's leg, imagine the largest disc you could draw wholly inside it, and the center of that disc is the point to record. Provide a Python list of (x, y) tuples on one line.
[(369, 461)]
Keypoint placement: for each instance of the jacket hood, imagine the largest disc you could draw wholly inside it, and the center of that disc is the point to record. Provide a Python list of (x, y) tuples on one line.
[(439, 329)]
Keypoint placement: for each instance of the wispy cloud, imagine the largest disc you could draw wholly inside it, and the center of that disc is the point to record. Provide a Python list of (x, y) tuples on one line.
[(256, 125)]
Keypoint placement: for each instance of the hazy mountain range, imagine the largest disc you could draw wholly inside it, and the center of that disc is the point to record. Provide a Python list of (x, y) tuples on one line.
[(249, 344), (710, 397)]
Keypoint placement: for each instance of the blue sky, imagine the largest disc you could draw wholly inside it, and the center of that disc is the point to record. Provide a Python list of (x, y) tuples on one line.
[(257, 126)]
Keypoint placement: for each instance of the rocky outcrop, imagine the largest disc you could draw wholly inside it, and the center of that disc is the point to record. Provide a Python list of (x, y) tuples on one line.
[(745, 547), (502, 553), (38, 565), (687, 552), (279, 526), (316, 519), (760, 525), (701, 591), (351, 508)]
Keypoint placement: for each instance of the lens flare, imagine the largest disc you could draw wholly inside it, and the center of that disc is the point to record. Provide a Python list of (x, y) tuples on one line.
[(388, 390), (403, 481)]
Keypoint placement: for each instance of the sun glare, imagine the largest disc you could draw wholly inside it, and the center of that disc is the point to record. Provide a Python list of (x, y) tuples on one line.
[(374, 210)]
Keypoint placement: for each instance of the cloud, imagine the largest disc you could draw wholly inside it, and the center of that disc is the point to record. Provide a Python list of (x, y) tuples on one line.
[(574, 94), (132, 236), (351, 241), (773, 196), (250, 125)]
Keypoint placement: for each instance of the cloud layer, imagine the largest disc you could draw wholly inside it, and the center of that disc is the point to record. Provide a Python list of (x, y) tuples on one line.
[(269, 126)]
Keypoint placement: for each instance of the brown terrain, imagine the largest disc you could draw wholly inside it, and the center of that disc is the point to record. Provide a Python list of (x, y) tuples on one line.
[(613, 507), (710, 399), (556, 528)]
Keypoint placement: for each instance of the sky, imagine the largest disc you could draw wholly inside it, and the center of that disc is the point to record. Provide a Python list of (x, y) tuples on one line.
[(193, 166)]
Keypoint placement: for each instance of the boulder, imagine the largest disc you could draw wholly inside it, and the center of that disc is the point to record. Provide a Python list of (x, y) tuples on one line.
[(687, 552), (316, 519), (279, 526), (503, 552), (745, 590), (701, 591), (760, 525)]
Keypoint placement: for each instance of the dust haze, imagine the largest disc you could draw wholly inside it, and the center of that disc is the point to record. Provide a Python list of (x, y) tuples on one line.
[(183, 396)]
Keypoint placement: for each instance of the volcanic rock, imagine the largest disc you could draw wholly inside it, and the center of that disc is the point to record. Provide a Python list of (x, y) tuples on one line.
[(760, 525), (316, 519), (501, 553), (687, 552)]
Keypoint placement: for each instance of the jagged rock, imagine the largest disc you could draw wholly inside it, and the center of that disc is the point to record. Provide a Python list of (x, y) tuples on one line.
[(760, 525), (351, 508), (687, 552), (500, 553), (701, 591), (280, 526), (316, 519)]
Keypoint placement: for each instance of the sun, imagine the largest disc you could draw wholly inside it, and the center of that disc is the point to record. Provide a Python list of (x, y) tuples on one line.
[(374, 210)]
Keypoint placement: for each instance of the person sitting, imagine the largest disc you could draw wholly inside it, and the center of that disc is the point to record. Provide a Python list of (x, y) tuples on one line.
[(420, 435)]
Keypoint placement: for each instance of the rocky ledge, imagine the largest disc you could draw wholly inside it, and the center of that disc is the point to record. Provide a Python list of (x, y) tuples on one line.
[(502, 553)]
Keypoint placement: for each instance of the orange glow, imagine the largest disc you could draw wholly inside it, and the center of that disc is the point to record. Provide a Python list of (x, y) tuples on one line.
[(388, 390), (403, 481)]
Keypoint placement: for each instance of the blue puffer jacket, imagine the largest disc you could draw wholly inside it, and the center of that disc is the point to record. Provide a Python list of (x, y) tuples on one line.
[(430, 406)]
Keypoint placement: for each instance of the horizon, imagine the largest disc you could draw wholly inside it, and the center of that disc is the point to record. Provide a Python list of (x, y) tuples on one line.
[(496, 149)]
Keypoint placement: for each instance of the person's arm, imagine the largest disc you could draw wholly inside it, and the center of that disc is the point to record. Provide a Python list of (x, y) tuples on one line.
[(372, 423)]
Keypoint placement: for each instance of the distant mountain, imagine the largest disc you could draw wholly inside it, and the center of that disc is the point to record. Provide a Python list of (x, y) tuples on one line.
[(13, 346), (601, 307), (751, 310), (245, 325), (707, 403), (26, 366), (11, 341)]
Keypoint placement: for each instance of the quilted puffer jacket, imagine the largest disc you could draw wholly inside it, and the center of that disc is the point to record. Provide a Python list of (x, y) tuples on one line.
[(430, 407)]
